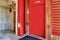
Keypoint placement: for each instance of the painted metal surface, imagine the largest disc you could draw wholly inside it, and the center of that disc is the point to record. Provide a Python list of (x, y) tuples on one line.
[(55, 17), (21, 18), (54, 20), (37, 20)]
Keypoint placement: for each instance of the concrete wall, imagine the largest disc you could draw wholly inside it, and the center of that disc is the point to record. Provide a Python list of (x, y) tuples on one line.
[(6, 18)]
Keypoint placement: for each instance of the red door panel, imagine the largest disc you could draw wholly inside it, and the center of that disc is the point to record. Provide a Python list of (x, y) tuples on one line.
[(21, 18), (37, 20), (36, 2)]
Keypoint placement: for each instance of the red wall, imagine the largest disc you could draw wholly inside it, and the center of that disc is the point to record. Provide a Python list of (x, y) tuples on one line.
[(37, 17), (21, 23)]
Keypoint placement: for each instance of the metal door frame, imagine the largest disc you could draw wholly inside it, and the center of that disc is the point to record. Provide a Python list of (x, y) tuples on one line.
[(47, 18), (16, 18)]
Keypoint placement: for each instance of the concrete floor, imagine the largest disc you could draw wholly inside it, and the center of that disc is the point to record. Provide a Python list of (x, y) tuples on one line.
[(8, 35)]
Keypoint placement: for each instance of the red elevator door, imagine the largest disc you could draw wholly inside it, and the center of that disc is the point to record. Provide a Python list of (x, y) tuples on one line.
[(21, 18), (37, 20)]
